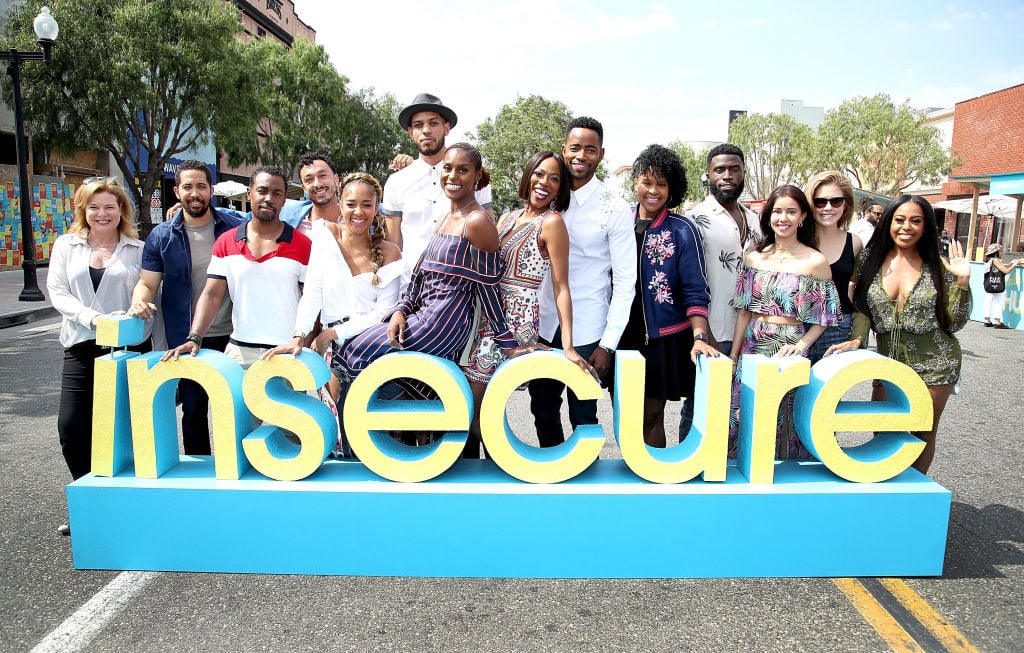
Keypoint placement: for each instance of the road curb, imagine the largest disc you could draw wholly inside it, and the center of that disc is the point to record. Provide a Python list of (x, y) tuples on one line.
[(18, 318)]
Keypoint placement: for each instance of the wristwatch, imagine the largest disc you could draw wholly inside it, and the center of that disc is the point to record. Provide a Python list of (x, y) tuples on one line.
[(196, 338), (703, 337), (607, 350)]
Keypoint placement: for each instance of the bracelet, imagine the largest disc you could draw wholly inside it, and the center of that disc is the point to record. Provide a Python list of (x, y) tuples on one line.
[(196, 338)]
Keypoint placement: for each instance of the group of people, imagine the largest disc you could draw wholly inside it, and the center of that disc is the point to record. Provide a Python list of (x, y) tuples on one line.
[(358, 271)]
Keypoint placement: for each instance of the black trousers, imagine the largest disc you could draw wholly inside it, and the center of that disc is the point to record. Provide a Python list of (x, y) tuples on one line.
[(74, 418), (195, 404)]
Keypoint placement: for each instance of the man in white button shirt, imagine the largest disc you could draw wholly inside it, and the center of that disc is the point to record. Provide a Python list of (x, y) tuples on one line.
[(602, 280), (413, 197)]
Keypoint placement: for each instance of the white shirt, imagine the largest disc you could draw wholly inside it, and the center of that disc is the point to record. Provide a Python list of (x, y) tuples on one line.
[(332, 292), (414, 193), (602, 267), (71, 291), (723, 255), (863, 230)]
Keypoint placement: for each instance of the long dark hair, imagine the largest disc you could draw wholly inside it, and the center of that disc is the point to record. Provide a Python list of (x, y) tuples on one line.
[(927, 247), (806, 234), (564, 188)]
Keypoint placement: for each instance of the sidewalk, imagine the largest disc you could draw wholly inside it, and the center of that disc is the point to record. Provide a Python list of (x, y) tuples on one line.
[(13, 312)]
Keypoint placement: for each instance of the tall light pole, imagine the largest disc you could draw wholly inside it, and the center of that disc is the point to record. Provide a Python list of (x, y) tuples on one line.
[(46, 32)]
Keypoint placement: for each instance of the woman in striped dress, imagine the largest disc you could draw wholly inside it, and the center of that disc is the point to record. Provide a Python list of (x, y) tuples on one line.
[(461, 263)]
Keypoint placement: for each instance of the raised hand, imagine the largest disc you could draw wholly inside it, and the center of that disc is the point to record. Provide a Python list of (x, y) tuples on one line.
[(958, 265)]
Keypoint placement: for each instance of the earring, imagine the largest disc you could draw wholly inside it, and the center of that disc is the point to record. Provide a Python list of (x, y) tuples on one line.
[(551, 206), (476, 186)]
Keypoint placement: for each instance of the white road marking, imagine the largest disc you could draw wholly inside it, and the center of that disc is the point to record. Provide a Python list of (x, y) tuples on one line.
[(80, 628)]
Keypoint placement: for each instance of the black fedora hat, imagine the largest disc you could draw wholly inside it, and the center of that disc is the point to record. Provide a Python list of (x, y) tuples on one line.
[(426, 102)]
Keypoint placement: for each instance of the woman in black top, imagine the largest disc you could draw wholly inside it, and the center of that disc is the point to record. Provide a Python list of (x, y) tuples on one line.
[(830, 193)]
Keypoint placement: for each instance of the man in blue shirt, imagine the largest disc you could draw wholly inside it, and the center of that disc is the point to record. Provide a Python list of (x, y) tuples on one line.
[(176, 255)]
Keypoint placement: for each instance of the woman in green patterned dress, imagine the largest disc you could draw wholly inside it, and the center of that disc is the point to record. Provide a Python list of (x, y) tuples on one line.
[(915, 301)]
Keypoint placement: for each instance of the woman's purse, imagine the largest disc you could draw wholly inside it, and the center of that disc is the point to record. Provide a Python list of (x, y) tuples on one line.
[(994, 280)]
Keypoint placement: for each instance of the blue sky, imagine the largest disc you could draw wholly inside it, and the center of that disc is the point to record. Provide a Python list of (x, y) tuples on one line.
[(657, 72)]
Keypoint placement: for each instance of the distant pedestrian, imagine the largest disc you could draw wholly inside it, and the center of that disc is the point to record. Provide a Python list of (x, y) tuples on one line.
[(994, 284), (944, 242), (864, 228)]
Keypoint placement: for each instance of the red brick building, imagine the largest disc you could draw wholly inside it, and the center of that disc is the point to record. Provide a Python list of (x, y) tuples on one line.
[(988, 136)]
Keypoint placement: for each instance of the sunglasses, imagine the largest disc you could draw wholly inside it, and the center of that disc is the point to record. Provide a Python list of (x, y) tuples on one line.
[(836, 202), (110, 181), (877, 214)]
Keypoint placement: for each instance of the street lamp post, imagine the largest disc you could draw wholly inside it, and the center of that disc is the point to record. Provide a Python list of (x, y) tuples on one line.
[(46, 32)]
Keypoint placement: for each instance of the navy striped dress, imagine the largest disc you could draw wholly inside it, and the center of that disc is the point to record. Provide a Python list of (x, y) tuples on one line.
[(439, 304)]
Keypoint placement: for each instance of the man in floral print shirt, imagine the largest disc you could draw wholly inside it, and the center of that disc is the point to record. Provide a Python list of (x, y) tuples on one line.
[(729, 229)]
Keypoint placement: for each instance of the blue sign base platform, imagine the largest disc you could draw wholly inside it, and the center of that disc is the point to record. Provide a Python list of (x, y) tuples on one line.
[(476, 521)]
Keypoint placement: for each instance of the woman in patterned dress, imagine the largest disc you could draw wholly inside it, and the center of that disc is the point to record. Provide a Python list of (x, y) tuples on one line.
[(461, 262), (785, 298), (668, 319), (915, 301), (533, 240)]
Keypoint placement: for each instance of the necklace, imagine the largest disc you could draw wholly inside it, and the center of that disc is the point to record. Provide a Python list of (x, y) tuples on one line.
[(462, 208), (783, 254), (105, 250)]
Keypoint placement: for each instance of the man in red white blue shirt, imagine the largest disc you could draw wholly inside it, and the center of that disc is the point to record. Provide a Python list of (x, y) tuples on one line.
[(261, 265)]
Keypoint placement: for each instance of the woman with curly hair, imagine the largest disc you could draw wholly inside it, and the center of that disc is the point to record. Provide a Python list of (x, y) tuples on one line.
[(915, 301), (353, 278), (668, 320), (785, 298)]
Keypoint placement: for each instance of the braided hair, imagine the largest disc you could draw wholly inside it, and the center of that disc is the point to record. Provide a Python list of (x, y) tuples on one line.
[(378, 229)]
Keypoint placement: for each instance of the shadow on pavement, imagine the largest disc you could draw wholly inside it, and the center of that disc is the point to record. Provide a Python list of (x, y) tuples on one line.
[(982, 539)]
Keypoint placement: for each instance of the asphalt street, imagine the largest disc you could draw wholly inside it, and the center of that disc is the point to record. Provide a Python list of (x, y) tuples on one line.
[(48, 604)]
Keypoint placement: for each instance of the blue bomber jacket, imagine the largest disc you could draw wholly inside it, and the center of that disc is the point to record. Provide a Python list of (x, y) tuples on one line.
[(672, 277)]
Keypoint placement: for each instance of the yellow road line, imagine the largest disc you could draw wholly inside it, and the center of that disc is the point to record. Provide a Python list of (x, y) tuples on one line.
[(950, 638), (885, 625)]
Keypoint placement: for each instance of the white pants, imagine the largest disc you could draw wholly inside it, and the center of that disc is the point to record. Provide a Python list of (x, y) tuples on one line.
[(993, 306)]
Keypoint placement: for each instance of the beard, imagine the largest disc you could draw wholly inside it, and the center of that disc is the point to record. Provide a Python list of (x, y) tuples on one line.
[(265, 216), (324, 201), (431, 151), (196, 214), (730, 197)]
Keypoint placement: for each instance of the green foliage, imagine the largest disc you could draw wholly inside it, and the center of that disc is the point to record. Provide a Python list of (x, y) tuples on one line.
[(518, 132), (141, 79), (778, 150), (882, 146), (696, 164), (305, 106)]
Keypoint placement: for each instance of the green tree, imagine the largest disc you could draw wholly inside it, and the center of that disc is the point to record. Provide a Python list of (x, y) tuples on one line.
[(306, 105), (144, 80), (373, 137), (882, 146), (777, 150), (519, 131), (696, 164)]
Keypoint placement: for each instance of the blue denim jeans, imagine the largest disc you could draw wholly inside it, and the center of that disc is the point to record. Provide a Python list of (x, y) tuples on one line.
[(833, 335), (546, 401)]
